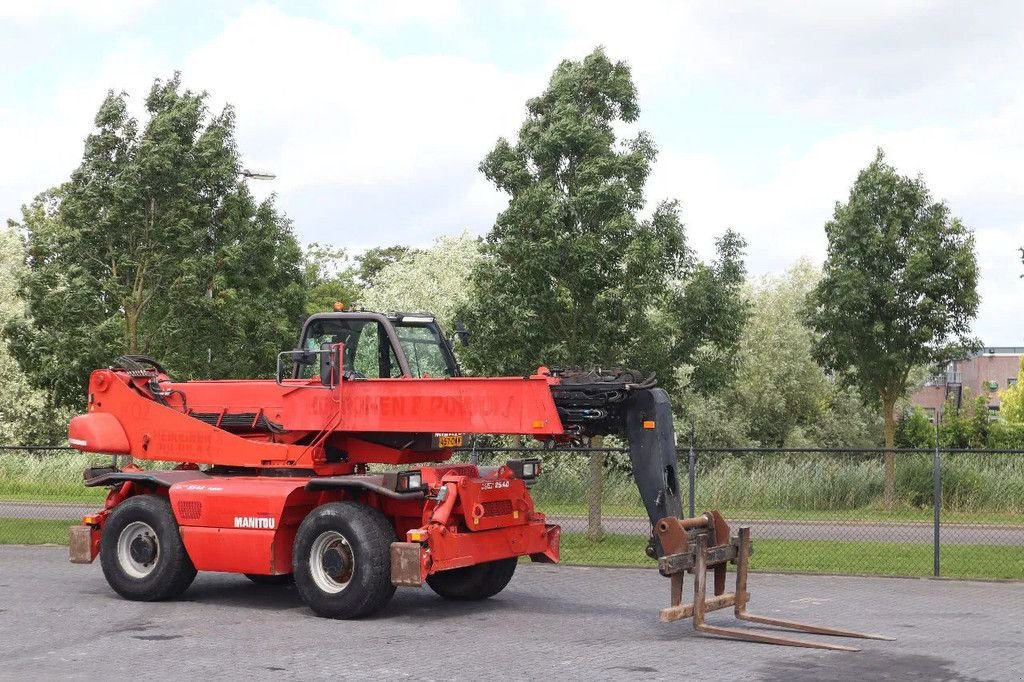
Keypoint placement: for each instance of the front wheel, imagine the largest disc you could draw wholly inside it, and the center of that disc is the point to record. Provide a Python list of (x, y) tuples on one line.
[(472, 583), (141, 551), (341, 560)]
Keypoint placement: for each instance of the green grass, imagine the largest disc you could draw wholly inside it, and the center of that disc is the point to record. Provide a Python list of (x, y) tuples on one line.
[(53, 476), (869, 514), (801, 556), (34, 531), (972, 485), (44, 493), (823, 556)]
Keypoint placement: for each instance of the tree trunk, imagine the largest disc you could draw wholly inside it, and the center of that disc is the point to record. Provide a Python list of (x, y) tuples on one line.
[(131, 329), (889, 417), (594, 530)]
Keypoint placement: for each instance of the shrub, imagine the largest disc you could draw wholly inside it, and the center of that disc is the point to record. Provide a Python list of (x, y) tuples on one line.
[(915, 430)]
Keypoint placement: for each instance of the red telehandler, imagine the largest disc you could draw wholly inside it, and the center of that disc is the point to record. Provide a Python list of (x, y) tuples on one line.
[(274, 479)]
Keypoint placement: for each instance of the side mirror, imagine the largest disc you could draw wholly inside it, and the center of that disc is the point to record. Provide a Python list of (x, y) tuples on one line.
[(462, 332), (290, 358)]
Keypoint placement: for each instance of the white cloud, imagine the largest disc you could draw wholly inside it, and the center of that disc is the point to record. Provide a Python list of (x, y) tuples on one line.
[(373, 13), (106, 14), (319, 105), (43, 144), (974, 168), (834, 58), (372, 148)]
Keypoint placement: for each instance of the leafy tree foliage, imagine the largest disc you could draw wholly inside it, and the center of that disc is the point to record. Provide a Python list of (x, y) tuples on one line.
[(156, 246), (329, 277), (25, 414), (955, 429), (427, 280), (370, 263), (703, 318), (780, 396), (915, 430), (1005, 435), (781, 386), (570, 274), (899, 289), (1011, 401)]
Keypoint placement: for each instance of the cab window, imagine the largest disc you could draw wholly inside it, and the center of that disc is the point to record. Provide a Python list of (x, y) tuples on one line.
[(367, 355), (423, 348)]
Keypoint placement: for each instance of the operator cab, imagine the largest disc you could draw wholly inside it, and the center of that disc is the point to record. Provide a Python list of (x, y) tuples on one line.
[(377, 345)]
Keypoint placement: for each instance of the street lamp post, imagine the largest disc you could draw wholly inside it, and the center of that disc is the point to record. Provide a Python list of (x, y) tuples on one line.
[(256, 175)]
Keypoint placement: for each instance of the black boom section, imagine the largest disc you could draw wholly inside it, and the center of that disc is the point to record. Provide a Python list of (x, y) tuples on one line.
[(652, 451), (621, 402)]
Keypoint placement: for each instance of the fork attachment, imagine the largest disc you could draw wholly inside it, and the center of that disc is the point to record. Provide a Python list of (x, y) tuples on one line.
[(703, 543)]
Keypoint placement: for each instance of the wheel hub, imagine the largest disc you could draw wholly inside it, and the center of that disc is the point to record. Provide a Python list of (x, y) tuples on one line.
[(138, 549), (143, 549), (336, 562), (331, 561)]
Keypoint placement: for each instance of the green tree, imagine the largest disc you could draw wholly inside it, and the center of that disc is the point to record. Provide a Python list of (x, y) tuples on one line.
[(899, 289), (915, 430), (370, 263), (570, 274), (1011, 401), (845, 421), (432, 280), (156, 246), (955, 427), (780, 386), (703, 317), (780, 395), (330, 278), (980, 422), (26, 417)]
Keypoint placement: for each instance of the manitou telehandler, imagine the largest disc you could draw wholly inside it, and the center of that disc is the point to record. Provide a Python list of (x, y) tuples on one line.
[(274, 476)]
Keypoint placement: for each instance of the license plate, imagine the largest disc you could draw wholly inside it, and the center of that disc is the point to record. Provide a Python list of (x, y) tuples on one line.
[(448, 440)]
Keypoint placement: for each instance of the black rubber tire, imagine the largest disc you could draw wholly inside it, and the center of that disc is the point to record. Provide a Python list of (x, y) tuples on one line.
[(271, 580), (473, 583), (173, 571), (369, 535)]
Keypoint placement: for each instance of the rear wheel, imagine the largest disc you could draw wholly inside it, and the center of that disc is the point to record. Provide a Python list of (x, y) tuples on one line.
[(342, 560), (473, 583), (141, 552)]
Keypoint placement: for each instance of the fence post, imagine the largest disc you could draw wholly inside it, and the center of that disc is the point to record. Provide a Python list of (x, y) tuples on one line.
[(936, 502), (691, 470), (594, 530)]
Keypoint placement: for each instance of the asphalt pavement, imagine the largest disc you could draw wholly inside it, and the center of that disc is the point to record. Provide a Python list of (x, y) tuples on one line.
[(59, 620)]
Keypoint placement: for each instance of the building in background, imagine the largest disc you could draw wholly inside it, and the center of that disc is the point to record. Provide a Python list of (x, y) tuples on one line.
[(987, 373)]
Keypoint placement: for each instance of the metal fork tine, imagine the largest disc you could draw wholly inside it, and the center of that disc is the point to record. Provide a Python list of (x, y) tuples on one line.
[(806, 627), (735, 633), (701, 557), (742, 565)]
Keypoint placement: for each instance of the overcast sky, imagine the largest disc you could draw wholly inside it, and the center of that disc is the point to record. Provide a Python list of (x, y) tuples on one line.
[(375, 115)]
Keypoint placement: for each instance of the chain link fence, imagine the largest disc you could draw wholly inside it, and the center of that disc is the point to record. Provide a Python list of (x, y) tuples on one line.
[(952, 513)]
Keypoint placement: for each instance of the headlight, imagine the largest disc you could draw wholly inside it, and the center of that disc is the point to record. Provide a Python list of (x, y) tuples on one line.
[(526, 469), (409, 481)]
